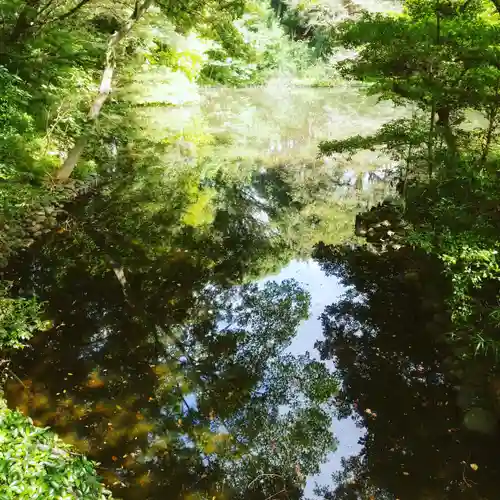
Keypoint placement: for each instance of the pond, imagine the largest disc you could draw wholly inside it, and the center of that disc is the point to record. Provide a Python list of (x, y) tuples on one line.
[(275, 122), (211, 336)]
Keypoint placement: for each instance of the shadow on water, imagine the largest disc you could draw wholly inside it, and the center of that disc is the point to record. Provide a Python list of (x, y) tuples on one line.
[(430, 413), (181, 382), (170, 366), (163, 369)]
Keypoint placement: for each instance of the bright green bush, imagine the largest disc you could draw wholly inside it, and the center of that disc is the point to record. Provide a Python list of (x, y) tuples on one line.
[(248, 50), (34, 463), (19, 319)]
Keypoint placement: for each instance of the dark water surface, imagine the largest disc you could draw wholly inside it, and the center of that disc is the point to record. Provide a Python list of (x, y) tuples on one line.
[(194, 355)]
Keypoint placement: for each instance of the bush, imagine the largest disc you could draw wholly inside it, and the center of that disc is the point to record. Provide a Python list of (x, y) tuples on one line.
[(34, 463), (19, 319)]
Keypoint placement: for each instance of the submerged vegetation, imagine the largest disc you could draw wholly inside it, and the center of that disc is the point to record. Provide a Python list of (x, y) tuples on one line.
[(155, 165)]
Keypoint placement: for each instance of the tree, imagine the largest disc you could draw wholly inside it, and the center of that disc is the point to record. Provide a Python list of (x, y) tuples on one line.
[(446, 65), (139, 10)]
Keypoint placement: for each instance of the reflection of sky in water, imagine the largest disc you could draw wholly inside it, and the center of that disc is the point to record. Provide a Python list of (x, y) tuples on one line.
[(324, 290)]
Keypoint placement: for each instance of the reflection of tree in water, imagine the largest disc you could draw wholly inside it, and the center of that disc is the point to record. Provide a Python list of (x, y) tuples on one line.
[(313, 202), (387, 337), (171, 377)]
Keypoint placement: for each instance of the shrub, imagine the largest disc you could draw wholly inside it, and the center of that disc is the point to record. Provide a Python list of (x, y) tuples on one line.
[(35, 463)]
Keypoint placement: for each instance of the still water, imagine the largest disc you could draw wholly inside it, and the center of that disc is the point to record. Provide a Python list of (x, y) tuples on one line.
[(211, 337)]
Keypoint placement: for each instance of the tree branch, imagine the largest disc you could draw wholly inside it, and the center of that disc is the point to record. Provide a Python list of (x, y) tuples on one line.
[(70, 12), (23, 26), (104, 90)]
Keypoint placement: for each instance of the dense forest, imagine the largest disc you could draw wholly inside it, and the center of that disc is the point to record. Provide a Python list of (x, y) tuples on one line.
[(154, 168)]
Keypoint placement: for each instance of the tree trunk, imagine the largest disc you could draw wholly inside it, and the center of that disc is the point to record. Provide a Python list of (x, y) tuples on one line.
[(68, 166), (104, 90), (25, 21), (430, 140), (489, 136), (443, 125)]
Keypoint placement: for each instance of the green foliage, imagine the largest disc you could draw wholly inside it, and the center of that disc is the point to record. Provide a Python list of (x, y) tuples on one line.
[(159, 259), (442, 60), (19, 319), (51, 66), (34, 463), (17, 127), (311, 21), (250, 49)]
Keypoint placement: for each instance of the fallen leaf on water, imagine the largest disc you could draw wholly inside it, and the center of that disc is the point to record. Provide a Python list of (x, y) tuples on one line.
[(114, 458), (406, 473), (150, 399), (118, 407), (474, 466)]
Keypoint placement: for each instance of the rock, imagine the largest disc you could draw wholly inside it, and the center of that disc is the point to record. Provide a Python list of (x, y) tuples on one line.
[(480, 420)]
